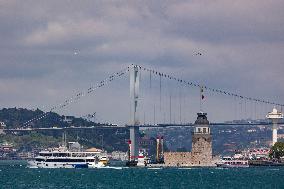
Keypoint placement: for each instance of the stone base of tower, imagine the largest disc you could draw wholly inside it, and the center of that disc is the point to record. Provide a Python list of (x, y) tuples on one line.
[(177, 159), (201, 154), (185, 159)]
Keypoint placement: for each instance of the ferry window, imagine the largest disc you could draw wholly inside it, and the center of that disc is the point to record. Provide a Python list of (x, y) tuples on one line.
[(45, 154), (204, 130), (199, 130), (63, 154)]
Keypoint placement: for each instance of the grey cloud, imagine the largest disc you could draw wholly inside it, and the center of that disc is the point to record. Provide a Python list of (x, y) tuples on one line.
[(226, 21), (241, 44)]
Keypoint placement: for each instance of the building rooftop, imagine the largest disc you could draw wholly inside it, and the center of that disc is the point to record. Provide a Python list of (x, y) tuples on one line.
[(274, 114)]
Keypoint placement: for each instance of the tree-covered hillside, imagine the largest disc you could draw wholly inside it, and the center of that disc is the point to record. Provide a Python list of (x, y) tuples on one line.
[(110, 138), (16, 117)]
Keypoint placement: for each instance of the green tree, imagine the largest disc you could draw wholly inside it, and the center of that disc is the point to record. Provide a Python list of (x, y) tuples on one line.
[(277, 150)]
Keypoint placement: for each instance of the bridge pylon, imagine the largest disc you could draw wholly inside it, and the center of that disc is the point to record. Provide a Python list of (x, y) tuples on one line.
[(134, 120)]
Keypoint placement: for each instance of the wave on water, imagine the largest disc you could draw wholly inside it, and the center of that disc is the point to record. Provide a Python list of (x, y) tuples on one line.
[(110, 167), (274, 169), (154, 168), (185, 168), (32, 167)]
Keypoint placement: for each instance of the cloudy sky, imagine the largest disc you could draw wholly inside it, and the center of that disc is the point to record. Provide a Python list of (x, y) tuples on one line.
[(52, 49)]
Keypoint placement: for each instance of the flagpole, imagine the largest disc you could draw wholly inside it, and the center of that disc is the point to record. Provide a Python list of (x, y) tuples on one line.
[(200, 96)]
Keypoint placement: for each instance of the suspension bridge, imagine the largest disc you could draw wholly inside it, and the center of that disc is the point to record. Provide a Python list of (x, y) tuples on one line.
[(169, 100), (158, 99)]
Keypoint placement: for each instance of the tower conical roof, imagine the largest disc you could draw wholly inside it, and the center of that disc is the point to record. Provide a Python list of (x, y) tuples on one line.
[(201, 119)]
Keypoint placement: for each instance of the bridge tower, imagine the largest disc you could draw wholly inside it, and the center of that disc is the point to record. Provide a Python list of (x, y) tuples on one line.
[(134, 121), (275, 116)]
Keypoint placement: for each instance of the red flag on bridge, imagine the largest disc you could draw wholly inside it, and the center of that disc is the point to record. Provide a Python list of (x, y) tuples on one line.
[(201, 93)]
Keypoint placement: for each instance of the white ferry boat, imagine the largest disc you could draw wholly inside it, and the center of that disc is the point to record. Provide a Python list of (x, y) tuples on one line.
[(231, 162), (63, 157)]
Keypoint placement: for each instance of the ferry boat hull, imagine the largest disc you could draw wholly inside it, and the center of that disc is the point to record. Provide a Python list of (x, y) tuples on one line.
[(53, 165)]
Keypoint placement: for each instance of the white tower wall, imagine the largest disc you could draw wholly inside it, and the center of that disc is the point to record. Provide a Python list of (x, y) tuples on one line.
[(274, 116), (274, 133)]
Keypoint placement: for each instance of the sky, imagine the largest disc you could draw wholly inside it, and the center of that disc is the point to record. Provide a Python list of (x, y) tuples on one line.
[(52, 49)]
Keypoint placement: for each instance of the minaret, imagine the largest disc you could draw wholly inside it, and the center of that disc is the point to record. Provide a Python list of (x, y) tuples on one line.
[(275, 116), (201, 142)]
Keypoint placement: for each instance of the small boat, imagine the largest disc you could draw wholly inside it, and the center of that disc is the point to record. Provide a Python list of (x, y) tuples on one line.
[(103, 161), (231, 162), (141, 160)]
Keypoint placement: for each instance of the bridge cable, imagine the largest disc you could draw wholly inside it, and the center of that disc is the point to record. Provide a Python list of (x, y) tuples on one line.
[(208, 88), (79, 95)]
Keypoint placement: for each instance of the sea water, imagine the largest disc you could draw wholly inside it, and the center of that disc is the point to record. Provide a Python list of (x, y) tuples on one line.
[(15, 174)]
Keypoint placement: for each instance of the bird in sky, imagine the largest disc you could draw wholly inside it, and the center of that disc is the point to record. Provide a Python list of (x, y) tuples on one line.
[(76, 51), (197, 54)]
